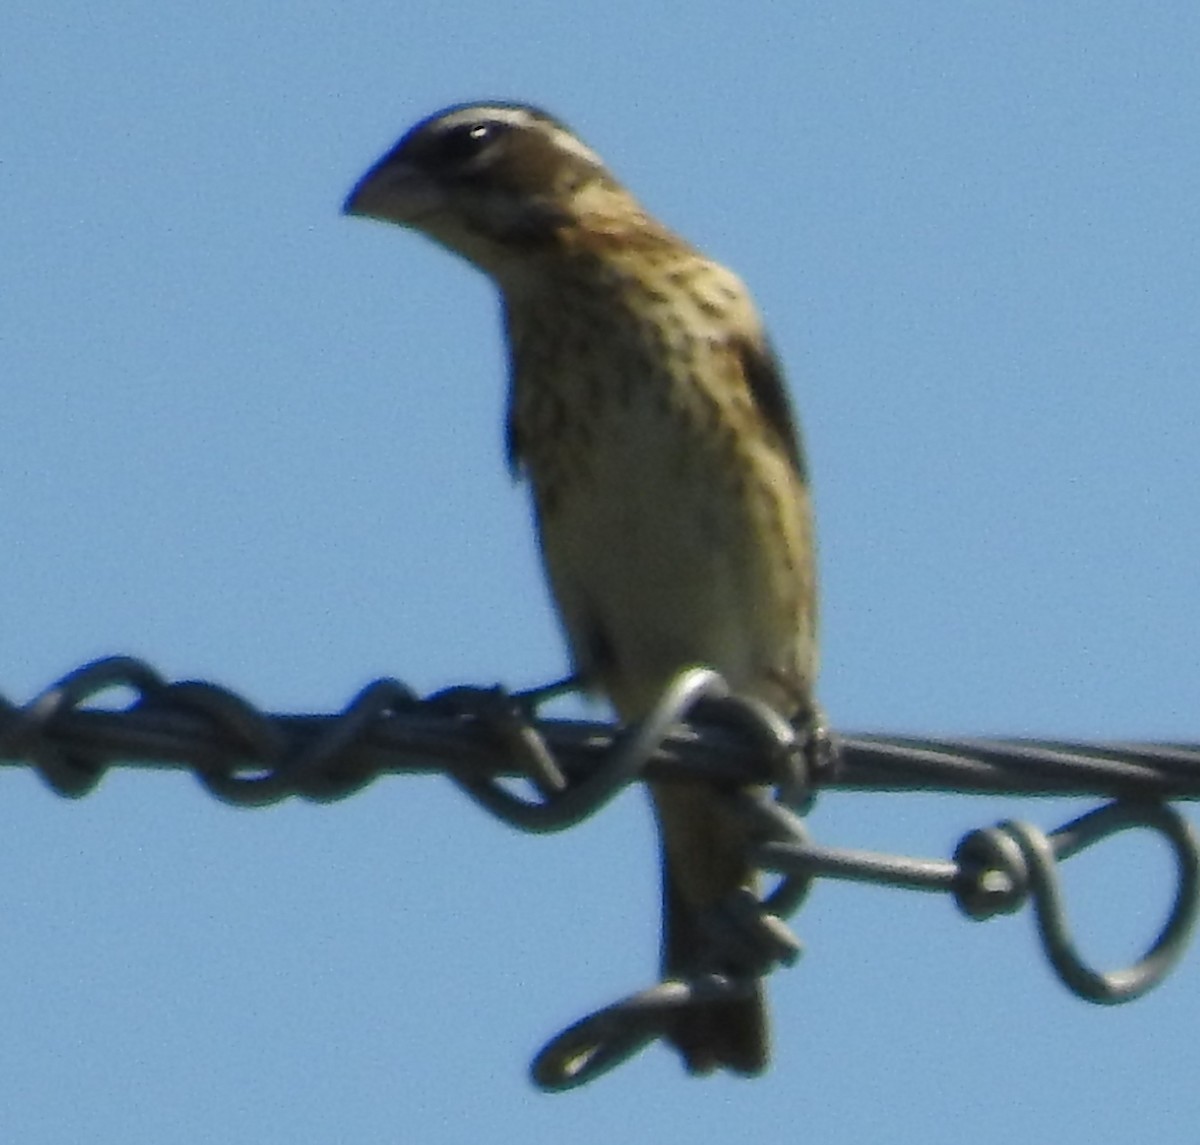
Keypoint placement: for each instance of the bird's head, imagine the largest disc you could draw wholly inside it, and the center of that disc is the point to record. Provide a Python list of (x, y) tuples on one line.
[(490, 181)]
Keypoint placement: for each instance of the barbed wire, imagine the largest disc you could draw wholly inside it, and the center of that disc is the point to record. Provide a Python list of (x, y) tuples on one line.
[(481, 737)]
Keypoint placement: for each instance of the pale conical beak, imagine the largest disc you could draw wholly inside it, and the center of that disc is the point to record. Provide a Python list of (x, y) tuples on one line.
[(395, 192)]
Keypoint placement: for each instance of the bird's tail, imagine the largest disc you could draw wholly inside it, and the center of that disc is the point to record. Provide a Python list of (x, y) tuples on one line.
[(703, 862)]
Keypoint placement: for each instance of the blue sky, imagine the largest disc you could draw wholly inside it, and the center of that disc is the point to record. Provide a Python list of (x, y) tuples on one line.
[(253, 441)]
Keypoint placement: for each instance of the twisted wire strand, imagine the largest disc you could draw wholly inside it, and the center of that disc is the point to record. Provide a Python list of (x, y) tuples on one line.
[(482, 736), (244, 755)]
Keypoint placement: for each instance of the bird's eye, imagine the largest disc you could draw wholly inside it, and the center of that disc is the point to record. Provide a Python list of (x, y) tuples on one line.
[(467, 141)]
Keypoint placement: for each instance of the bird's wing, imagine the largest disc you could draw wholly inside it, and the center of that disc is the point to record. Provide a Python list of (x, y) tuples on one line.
[(764, 379)]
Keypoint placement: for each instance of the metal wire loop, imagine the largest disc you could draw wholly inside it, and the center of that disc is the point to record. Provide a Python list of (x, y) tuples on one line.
[(781, 749), (320, 770), (1000, 866), (604, 1040), (24, 730), (999, 869), (246, 775), (564, 804), (773, 825)]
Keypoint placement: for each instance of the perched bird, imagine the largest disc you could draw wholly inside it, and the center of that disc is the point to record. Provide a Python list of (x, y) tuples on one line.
[(649, 415)]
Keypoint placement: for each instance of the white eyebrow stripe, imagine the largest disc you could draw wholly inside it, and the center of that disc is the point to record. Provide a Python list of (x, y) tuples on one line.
[(522, 118)]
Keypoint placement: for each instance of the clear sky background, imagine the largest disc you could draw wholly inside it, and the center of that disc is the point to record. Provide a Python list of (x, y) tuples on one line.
[(253, 441)]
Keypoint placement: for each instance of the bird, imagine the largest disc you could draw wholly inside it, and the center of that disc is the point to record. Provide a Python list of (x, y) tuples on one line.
[(649, 415)]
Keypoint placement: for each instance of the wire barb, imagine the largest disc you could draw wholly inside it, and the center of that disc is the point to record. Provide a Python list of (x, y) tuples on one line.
[(698, 732)]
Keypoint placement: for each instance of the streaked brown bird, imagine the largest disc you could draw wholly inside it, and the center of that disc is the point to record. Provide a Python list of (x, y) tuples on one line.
[(649, 414)]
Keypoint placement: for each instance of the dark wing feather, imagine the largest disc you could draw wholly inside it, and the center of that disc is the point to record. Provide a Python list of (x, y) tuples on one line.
[(764, 378), (512, 443)]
